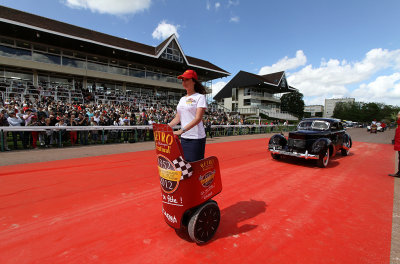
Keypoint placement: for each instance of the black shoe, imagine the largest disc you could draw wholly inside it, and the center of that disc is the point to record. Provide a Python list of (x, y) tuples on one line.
[(397, 175)]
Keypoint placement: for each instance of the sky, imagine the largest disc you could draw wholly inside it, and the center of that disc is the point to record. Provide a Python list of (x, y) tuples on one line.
[(328, 49)]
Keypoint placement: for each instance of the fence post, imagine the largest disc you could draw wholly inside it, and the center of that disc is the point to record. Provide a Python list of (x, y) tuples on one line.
[(136, 138), (2, 140), (102, 136), (59, 139)]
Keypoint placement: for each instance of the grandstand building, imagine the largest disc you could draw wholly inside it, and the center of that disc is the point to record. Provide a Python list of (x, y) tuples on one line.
[(251, 94), (41, 57)]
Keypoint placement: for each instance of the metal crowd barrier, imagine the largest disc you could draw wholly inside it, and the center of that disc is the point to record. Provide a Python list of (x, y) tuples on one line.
[(137, 133)]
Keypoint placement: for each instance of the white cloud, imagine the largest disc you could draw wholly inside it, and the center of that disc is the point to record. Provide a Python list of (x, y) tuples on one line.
[(382, 89), (114, 7), (216, 87), (233, 3), (285, 64), (208, 5), (164, 30), (336, 78), (234, 19), (217, 5)]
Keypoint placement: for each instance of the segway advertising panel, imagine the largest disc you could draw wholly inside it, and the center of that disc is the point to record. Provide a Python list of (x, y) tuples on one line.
[(187, 187)]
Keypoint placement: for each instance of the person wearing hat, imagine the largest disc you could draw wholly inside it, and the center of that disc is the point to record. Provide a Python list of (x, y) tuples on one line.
[(14, 120), (190, 111), (397, 146)]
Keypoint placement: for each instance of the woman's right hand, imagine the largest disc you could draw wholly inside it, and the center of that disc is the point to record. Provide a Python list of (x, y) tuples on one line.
[(178, 132)]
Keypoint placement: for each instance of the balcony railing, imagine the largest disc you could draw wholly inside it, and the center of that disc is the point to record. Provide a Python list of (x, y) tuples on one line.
[(27, 54)]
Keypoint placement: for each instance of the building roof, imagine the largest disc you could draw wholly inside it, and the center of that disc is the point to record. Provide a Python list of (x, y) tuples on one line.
[(56, 32), (271, 83)]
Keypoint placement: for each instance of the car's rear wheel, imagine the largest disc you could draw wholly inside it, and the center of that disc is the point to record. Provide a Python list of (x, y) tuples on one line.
[(346, 147), (276, 156), (323, 159)]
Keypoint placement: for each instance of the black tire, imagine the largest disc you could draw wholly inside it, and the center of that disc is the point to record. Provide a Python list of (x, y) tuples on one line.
[(204, 222), (276, 156), (323, 160)]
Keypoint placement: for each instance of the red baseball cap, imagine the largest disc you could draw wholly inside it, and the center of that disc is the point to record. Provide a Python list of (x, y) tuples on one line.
[(188, 74)]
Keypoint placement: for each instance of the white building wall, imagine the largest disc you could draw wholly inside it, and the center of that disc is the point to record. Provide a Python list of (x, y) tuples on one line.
[(241, 98), (228, 103), (331, 103), (313, 109)]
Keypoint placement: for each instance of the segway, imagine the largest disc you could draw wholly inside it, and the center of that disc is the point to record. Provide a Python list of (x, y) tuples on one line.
[(187, 187)]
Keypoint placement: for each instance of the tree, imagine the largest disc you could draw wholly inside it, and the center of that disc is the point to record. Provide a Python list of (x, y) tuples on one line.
[(293, 103), (364, 112), (348, 111)]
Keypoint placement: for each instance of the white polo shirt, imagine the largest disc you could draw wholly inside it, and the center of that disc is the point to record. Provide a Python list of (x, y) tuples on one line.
[(186, 109)]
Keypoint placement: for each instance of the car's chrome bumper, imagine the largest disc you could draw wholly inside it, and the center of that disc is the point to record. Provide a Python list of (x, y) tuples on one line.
[(305, 155)]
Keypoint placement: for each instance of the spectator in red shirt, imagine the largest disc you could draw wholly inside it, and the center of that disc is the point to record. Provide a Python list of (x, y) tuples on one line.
[(397, 146)]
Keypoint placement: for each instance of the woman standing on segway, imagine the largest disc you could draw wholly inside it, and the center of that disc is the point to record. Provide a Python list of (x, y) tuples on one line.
[(190, 111)]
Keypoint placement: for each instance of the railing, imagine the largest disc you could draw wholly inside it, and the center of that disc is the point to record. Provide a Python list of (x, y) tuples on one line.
[(278, 114), (217, 106), (60, 136), (263, 96), (248, 111), (86, 64)]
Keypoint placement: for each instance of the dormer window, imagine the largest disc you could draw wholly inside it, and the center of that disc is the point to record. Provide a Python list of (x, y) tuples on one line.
[(172, 53)]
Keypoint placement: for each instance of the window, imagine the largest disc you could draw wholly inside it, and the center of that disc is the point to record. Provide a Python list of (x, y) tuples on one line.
[(46, 58), (7, 41), (305, 125), (16, 53), (96, 66), (152, 75), (39, 48), (19, 75), (118, 70), (320, 125), (54, 51), (73, 63), (172, 53), (23, 44), (68, 53), (136, 73), (234, 97)]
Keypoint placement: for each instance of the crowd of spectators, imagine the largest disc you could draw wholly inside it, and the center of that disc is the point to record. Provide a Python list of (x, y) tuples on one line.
[(48, 112)]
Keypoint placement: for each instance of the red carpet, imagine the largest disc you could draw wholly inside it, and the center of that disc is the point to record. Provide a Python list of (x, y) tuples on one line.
[(107, 209)]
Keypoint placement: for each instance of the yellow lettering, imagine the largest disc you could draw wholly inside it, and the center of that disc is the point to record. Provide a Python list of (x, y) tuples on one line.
[(169, 175), (170, 139), (163, 137)]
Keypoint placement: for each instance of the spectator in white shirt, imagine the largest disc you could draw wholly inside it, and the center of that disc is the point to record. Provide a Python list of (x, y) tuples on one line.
[(15, 121)]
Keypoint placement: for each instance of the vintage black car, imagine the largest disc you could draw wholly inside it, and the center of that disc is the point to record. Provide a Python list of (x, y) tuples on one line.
[(315, 138)]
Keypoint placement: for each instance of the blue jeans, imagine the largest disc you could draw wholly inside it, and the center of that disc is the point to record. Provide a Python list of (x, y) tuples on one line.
[(193, 149)]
